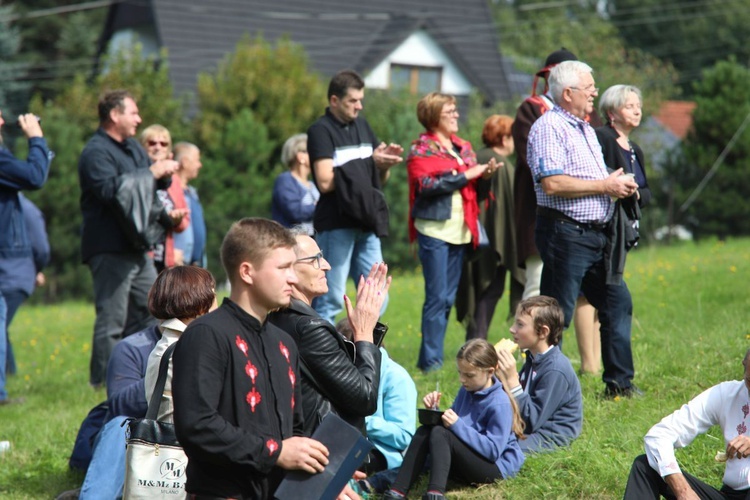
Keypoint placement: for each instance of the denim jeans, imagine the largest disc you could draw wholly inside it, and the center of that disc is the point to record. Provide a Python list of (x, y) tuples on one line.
[(13, 301), (105, 476), (573, 258), (351, 252), (3, 344), (121, 285), (441, 266)]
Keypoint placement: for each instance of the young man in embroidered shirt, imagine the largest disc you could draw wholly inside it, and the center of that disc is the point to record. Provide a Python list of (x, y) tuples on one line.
[(235, 376), (547, 390), (657, 473)]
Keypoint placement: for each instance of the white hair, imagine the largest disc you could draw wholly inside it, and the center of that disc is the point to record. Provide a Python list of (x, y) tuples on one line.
[(565, 75)]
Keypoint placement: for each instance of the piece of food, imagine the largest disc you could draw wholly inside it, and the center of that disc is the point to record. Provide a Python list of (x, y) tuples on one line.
[(506, 345), (721, 456)]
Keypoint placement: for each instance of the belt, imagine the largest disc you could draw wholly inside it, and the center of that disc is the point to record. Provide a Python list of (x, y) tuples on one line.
[(551, 213)]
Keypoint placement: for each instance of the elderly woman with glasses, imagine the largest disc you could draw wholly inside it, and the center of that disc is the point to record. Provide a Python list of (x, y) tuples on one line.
[(157, 141), (332, 377), (443, 214), (294, 195)]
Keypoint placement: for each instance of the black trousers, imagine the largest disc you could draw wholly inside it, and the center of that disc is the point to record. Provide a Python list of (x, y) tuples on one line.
[(449, 457), (645, 483)]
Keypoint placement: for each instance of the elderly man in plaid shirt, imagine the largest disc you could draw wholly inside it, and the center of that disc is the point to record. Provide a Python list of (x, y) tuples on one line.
[(575, 197)]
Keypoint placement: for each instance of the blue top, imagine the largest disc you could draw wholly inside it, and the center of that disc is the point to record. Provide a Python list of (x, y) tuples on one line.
[(192, 241), (485, 423), (292, 202), (392, 425), (17, 175), (550, 401), (125, 373), (19, 273)]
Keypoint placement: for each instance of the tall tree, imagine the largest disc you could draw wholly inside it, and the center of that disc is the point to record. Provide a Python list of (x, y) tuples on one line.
[(723, 104), (690, 34), (11, 89)]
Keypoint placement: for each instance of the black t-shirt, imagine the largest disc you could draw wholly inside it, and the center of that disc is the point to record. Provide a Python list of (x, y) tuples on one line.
[(342, 142)]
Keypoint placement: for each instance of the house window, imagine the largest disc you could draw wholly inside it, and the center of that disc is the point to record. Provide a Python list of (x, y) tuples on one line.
[(418, 79)]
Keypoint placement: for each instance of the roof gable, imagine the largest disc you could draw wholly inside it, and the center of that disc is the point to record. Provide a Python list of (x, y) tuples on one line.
[(336, 34)]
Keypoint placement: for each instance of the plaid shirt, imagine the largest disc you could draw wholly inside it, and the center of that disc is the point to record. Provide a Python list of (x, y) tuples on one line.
[(562, 144)]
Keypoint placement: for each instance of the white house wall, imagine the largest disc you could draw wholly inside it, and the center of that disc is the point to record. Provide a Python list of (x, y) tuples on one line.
[(420, 49)]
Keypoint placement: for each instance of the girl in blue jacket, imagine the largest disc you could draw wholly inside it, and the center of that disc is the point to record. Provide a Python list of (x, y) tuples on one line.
[(478, 439)]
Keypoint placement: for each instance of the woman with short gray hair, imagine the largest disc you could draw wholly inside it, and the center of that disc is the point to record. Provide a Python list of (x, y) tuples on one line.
[(621, 106), (294, 195)]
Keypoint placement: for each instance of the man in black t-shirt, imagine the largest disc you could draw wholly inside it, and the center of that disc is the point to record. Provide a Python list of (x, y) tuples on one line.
[(349, 167)]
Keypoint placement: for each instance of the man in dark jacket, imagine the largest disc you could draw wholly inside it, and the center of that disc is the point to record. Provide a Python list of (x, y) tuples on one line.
[(15, 245), (122, 218), (336, 375)]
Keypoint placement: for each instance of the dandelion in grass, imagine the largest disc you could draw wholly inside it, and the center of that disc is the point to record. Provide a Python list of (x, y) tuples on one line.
[(733, 269), (85, 347), (33, 342)]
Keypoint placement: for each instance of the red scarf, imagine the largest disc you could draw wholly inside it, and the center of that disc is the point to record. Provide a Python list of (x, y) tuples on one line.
[(428, 158)]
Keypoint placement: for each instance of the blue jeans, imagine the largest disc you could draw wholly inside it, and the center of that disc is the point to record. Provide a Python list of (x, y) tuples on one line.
[(105, 476), (573, 258), (13, 301), (441, 267), (121, 286), (3, 344), (351, 252)]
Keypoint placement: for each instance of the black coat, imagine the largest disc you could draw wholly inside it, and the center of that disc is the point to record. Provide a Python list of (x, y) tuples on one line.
[(334, 377), (613, 159)]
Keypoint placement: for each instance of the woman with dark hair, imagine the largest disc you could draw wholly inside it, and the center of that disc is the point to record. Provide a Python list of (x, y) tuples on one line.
[(443, 214), (483, 279), (179, 295)]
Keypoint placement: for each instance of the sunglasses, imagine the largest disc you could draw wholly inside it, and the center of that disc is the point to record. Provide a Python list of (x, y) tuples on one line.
[(163, 144)]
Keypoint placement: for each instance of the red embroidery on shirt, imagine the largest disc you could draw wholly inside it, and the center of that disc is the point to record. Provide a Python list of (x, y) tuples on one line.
[(292, 377), (292, 401), (741, 429), (745, 410), (251, 371), (241, 344), (272, 446), (253, 399), (284, 351)]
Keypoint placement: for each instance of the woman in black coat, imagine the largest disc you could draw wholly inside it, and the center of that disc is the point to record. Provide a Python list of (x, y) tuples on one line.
[(621, 106)]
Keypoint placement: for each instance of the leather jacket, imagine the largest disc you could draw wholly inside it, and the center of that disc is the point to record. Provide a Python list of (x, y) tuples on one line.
[(433, 198), (334, 377)]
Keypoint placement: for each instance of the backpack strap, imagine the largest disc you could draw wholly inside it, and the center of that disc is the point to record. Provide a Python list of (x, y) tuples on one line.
[(161, 381)]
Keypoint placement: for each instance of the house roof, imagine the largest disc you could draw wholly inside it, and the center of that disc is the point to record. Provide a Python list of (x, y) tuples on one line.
[(676, 116), (336, 34)]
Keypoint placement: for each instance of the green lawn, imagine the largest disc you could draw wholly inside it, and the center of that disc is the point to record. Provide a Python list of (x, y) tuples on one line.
[(689, 332)]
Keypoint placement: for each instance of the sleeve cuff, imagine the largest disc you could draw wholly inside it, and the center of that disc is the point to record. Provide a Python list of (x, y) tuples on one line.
[(516, 391)]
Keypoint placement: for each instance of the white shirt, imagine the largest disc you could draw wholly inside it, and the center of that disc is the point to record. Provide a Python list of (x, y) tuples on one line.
[(726, 405), (171, 331)]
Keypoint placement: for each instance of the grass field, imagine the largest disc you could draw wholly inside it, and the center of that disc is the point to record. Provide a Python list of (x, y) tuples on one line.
[(689, 332)]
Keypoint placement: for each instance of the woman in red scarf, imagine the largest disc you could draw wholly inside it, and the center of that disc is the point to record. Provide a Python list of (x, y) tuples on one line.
[(443, 214)]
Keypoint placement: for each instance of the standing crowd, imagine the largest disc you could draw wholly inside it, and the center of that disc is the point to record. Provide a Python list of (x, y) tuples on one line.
[(249, 381)]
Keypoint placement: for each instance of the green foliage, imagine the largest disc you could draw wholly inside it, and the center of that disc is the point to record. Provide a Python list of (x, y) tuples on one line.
[(723, 102), (685, 339), (258, 97), (69, 121), (691, 35), (10, 71), (530, 33)]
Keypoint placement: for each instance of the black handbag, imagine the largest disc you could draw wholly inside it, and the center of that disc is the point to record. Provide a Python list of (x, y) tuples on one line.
[(154, 461)]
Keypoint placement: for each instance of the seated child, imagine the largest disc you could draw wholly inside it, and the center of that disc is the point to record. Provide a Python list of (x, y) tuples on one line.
[(547, 389), (478, 439)]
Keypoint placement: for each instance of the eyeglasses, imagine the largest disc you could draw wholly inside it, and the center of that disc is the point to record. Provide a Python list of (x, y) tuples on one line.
[(313, 259), (163, 144), (588, 90), (450, 112)]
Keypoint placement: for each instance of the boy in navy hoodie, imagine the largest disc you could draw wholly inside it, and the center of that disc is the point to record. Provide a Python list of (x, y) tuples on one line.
[(546, 389)]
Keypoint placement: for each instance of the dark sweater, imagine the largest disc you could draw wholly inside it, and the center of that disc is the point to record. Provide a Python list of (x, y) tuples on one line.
[(551, 403), (234, 388)]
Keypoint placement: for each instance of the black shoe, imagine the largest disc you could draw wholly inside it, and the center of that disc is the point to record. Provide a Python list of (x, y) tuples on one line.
[(612, 392), (430, 495), (392, 495)]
